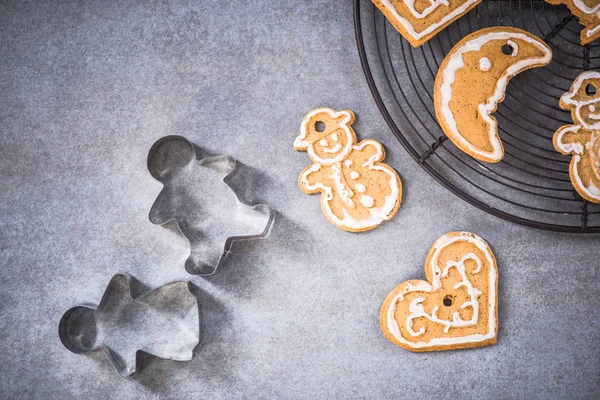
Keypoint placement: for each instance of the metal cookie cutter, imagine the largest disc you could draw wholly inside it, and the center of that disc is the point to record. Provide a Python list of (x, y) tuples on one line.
[(197, 196), (164, 322)]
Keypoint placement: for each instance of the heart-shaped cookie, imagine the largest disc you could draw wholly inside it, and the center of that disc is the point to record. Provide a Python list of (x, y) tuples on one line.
[(457, 307)]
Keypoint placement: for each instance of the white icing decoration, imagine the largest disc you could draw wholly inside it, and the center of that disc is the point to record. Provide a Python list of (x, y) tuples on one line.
[(485, 64), (348, 163), (334, 137), (585, 8), (424, 286), (360, 188), (323, 142), (417, 310), (431, 28), (354, 175), (456, 62), (300, 142), (341, 187), (514, 46), (593, 31), (334, 149), (367, 201), (568, 98), (377, 215), (592, 108), (577, 149), (433, 4)]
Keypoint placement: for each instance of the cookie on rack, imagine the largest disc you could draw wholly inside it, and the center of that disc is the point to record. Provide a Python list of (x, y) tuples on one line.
[(456, 307), (588, 12), (472, 80), (420, 20), (582, 139), (358, 191)]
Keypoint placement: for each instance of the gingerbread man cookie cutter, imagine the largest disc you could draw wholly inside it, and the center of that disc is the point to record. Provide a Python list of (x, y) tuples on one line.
[(164, 322), (198, 197), (358, 191), (582, 139)]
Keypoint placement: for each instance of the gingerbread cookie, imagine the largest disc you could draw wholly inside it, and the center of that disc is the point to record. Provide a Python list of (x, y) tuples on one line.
[(588, 12), (457, 307), (358, 192), (582, 139), (472, 80), (420, 20)]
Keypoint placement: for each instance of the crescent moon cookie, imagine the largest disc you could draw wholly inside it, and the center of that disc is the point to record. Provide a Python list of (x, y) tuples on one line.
[(472, 80), (588, 12), (456, 307), (582, 139), (358, 192), (420, 20)]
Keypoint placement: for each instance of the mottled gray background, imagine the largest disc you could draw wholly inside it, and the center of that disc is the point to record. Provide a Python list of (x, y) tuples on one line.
[(86, 87)]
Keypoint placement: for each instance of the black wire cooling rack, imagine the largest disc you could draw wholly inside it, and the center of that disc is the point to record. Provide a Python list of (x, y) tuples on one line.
[(531, 185)]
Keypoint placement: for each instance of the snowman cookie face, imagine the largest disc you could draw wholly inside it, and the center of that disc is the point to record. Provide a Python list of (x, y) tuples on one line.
[(584, 100), (326, 136), (332, 147)]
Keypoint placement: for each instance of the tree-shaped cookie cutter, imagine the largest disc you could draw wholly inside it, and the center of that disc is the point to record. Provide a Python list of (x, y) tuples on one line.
[(206, 209), (164, 322)]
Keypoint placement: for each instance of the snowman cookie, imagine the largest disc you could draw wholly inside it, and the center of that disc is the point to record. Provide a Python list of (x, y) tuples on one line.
[(420, 20), (588, 12), (358, 192), (472, 80), (582, 139), (456, 307)]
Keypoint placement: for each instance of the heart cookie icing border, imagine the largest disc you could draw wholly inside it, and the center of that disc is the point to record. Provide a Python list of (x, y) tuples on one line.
[(389, 325)]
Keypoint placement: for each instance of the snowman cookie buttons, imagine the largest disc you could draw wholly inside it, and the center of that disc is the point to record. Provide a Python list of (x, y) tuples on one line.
[(582, 139), (358, 192), (456, 307)]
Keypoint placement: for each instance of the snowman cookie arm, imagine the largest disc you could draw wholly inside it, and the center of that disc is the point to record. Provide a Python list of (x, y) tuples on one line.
[(571, 139), (368, 152), (315, 178)]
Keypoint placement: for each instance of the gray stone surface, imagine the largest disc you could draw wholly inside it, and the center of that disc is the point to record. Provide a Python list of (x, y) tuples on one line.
[(87, 87)]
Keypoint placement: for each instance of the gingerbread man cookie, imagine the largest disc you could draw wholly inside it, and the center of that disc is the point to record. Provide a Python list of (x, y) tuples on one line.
[(358, 192), (588, 12), (472, 80), (456, 307), (420, 20), (582, 139)]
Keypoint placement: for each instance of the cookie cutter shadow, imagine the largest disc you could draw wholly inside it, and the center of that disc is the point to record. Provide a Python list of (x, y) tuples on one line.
[(198, 197), (130, 324), (213, 349)]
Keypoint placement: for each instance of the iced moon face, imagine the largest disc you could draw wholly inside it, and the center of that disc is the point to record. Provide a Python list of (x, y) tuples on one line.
[(332, 145), (472, 80)]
